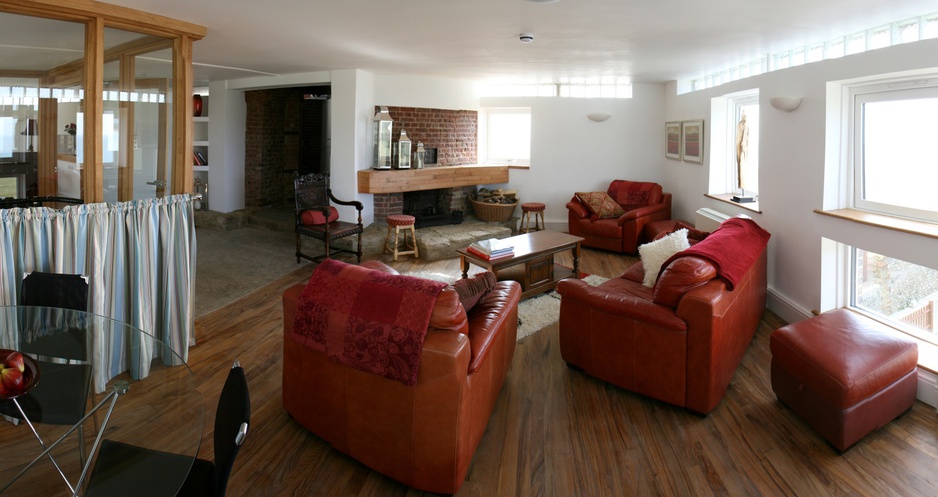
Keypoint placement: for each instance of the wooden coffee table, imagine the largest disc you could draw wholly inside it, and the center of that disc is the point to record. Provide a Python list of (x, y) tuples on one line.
[(534, 253)]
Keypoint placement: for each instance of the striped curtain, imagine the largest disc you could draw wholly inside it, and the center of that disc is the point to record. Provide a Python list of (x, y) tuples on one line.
[(139, 257)]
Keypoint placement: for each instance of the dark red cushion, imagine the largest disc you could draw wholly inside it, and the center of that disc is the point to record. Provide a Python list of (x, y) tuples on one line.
[(682, 275), (314, 217), (635, 194), (471, 290)]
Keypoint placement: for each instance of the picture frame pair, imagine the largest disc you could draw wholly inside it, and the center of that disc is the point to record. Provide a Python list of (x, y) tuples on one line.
[(684, 140)]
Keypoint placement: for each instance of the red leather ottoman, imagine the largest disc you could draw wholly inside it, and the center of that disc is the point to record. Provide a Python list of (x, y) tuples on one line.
[(843, 373)]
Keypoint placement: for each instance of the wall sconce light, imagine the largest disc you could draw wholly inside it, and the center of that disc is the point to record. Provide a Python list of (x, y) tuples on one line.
[(786, 104), (598, 116)]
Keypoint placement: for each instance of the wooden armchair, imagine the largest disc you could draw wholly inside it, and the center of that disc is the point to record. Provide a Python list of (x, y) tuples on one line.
[(316, 218)]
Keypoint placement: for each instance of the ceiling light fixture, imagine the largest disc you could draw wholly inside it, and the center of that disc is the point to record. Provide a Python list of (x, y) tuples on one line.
[(526, 37)]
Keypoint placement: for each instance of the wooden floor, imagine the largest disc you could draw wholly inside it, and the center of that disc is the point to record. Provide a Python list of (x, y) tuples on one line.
[(558, 432)]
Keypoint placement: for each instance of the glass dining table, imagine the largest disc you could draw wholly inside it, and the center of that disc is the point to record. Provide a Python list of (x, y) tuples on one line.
[(97, 379)]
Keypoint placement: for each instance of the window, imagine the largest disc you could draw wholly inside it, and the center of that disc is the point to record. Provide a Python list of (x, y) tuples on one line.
[(892, 165), (897, 291), (734, 156), (506, 136)]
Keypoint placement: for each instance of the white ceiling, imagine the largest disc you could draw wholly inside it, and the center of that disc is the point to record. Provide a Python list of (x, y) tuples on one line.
[(642, 40)]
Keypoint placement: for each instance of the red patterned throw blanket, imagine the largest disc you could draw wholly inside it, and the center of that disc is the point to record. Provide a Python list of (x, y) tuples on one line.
[(366, 319), (731, 248)]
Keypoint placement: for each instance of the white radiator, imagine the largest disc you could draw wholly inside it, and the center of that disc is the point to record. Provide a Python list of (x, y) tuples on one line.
[(708, 219)]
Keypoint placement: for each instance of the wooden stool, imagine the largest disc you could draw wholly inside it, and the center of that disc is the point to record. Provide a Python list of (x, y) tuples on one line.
[(526, 209), (398, 221)]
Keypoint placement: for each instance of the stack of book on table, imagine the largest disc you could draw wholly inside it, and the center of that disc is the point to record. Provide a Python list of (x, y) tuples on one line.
[(491, 249)]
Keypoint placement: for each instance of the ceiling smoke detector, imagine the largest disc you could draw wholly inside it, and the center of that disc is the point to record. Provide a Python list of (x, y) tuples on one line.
[(526, 37)]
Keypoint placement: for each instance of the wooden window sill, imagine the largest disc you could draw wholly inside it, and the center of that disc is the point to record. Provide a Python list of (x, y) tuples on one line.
[(894, 223), (728, 198)]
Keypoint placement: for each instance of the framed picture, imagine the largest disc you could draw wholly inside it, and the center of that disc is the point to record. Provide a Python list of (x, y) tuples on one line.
[(672, 140), (692, 141)]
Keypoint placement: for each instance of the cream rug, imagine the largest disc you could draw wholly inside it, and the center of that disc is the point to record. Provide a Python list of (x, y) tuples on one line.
[(534, 314)]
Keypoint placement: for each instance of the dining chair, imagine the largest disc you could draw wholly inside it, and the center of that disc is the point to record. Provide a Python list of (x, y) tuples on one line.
[(123, 469), (61, 397), (316, 218)]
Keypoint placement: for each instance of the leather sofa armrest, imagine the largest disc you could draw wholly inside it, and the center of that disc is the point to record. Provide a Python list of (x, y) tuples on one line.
[(444, 353), (491, 316), (577, 292), (577, 208)]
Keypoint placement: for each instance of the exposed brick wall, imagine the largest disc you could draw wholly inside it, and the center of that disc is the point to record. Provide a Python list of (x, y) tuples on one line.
[(387, 204), (264, 148), (452, 132)]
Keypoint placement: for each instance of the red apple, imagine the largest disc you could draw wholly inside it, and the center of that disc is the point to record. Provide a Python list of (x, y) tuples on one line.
[(3, 390), (15, 360), (13, 379)]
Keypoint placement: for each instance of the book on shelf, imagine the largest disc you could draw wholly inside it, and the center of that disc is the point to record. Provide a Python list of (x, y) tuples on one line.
[(195, 160), (202, 160), (490, 257), (492, 247)]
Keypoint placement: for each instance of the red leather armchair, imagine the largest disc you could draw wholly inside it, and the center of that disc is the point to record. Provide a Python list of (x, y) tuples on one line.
[(642, 202), (679, 342), (423, 435)]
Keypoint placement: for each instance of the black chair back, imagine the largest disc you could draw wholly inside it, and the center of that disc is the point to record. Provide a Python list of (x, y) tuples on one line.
[(66, 291), (232, 418), (311, 191)]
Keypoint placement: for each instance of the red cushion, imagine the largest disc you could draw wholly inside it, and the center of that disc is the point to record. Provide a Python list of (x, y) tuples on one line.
[(682, 275), (635, 194), (313, 217), (471, 290)]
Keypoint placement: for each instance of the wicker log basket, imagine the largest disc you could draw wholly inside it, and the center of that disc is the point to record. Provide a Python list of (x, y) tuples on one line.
[(495, 206)]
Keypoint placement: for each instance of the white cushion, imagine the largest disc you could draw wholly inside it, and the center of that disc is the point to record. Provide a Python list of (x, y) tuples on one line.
[(655, 253)]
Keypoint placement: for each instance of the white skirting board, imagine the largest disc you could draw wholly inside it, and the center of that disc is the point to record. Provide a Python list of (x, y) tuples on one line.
[(928, 388)]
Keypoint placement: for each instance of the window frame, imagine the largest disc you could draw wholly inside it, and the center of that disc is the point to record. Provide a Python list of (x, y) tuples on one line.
[(485, 130), (858, 95), (722, 156), (853, 301)]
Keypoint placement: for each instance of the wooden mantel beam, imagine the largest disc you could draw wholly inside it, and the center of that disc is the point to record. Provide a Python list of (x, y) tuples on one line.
[(429, 178)]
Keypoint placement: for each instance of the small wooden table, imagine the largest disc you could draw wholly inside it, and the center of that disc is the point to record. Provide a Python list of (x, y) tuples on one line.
[(535, 251)]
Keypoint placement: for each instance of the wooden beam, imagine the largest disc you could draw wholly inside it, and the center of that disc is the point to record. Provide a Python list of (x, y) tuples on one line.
[(114, 16), (182, 177), (92, 178), (48, 145), (125, 160), (430, 178)]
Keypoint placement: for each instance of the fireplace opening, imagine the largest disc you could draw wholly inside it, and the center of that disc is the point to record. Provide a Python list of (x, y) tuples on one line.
[(432, 207)]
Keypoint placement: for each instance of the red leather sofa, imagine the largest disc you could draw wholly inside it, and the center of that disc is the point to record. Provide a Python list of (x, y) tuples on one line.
[(642, 202), (679, 342), (425, 435)]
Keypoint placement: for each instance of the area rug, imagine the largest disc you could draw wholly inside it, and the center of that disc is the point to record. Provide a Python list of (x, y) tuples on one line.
[(534, 314)]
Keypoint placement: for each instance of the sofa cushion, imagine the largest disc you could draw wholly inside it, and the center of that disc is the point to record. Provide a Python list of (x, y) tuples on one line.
[(634, 194), (682, 275), (600, 204), (471, 290), (314, 217), (448, 314), (655, 253)]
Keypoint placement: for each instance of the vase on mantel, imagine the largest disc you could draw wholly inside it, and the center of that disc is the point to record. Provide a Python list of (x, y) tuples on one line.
[(196, 105)]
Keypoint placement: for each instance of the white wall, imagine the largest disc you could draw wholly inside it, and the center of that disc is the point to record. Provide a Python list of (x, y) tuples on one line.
[(570, 153), (226, 148), (792, 168), (426, 92)]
